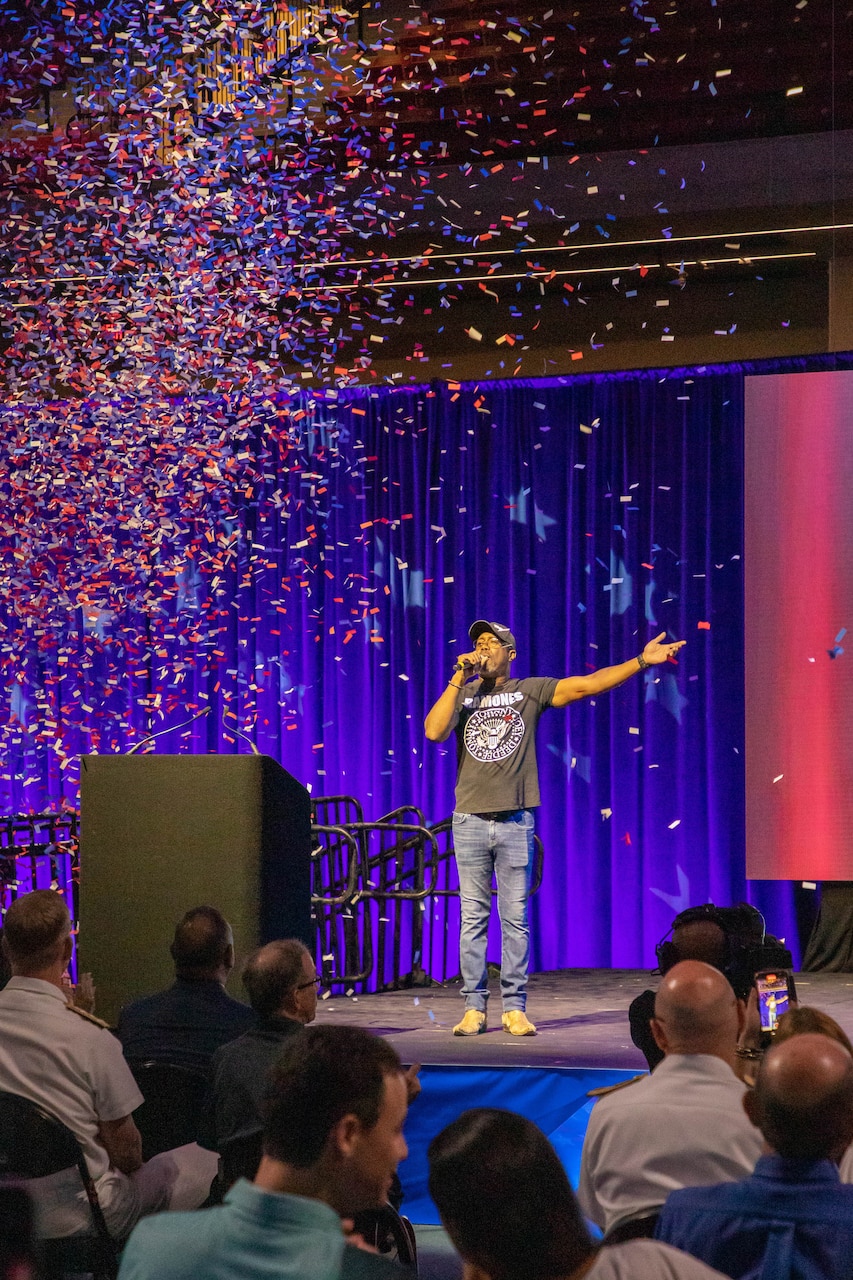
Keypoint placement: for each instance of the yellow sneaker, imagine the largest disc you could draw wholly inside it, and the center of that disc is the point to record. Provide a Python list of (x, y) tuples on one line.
[(517, 1023), (472, 1024)]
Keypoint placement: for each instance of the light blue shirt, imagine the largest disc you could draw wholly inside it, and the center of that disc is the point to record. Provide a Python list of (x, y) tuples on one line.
[(254, 1235)]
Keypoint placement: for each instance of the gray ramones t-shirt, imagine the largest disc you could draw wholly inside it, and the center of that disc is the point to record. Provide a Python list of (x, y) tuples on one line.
[(496, 745)]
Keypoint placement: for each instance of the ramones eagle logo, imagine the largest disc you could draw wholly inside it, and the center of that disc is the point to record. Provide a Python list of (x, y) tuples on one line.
[(493, 733)]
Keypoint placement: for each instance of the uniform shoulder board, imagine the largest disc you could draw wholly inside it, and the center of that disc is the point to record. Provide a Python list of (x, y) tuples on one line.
[(614, 1088), (88, 1017)]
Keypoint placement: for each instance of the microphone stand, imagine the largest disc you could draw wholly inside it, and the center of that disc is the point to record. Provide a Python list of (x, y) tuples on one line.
[(205, 711)]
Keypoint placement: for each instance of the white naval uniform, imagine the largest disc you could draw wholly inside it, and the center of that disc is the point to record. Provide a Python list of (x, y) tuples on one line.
[(682, 1126), (75, 1070), (647, 1260)]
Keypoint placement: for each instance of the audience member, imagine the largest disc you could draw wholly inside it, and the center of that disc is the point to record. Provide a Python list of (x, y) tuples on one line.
[(187, 1023), (281, 982), (682, 1126), (74, 1069), (702, 939), (333, 1137), (793, 1218), (508, 1208), (805, 1018)]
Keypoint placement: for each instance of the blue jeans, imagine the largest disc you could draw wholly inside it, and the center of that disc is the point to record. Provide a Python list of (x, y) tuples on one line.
[(484, 846)]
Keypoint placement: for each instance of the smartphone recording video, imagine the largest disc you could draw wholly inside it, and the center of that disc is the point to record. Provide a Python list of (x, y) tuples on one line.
[(775, 989)]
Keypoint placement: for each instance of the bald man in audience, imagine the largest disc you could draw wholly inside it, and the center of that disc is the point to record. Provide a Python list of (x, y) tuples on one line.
[(682, 1126), (793, 1218)]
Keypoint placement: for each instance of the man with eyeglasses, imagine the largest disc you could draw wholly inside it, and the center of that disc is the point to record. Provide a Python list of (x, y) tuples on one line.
[(281, 983), (497, 789)]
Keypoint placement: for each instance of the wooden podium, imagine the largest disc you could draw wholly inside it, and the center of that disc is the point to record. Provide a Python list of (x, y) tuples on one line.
[(162, 834)]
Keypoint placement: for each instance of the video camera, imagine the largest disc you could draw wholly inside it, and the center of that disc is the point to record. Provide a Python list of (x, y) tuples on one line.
[(747, 950)]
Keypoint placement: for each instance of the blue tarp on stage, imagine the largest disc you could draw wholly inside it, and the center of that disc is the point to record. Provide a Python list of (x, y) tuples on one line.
[(555, 1099)]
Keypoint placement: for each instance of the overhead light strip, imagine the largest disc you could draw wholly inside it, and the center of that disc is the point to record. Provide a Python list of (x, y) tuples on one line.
[(533, 251), (544, 276), (743, 259)]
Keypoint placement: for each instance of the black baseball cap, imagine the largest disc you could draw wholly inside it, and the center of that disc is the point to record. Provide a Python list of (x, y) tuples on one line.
[(497, 629)]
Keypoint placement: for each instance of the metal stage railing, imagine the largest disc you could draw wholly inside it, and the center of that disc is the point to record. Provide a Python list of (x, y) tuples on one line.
[(384, 894), (386, 897), (38, 851)]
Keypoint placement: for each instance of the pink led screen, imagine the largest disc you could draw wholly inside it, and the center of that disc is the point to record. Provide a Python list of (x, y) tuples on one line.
[(798, 544)]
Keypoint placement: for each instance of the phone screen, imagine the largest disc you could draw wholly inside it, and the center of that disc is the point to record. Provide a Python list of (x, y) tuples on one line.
[(772, 998)]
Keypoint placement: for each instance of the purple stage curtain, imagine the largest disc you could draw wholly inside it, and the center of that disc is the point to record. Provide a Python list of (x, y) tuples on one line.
[(307, 566)]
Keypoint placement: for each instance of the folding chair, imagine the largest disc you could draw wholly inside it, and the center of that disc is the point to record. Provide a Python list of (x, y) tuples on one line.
[(35, 1144), (169, 1117)]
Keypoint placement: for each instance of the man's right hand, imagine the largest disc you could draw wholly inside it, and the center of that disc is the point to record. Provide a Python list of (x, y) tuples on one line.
[(443, 714), (468, 663)]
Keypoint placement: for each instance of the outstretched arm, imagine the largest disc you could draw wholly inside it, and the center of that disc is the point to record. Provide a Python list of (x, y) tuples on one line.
[(573, 688)]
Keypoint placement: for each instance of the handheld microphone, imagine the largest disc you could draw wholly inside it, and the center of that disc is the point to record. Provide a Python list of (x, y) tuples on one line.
[(475, 666), (205, 711)]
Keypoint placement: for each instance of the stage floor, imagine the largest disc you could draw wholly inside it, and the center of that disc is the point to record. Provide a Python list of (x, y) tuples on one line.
[(580, 1014), (583, 1043)]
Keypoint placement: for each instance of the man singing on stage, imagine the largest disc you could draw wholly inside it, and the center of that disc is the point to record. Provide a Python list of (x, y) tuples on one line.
[(497, 788)]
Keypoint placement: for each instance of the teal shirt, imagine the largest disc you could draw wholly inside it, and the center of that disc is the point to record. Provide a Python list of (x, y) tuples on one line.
[(254, 1235)]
